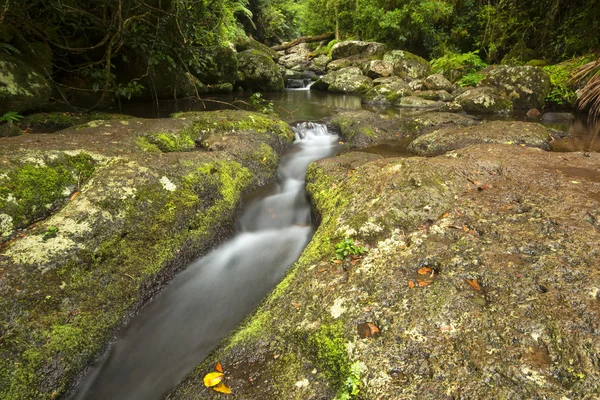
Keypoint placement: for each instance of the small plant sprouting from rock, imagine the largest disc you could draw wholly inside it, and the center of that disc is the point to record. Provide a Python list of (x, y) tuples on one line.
[(10, 117), (347, 248), (50, 233), (352, 386)]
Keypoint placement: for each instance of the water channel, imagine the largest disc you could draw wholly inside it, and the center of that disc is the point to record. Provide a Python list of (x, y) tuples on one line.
[(179, 328)]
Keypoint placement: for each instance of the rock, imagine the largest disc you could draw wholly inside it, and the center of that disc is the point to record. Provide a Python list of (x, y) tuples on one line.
[(377, 69), (37, 55), (126, 205), (346, 80), (22, 88), (51, 122), (8, 129), (362, 128), (351, 48), (511, 300), (292, 60), (258, 72), (447, 139), (558, 117), (417, 102), (319, 64), (440, 95), (295, 83), (430, 121), (167, 83), (385, 80), (246, 43), (484, 100), (389, 93), (223, 88), (452, 107), (350, 83), (527, 87), (339, 64), (438, 82), (215, 64), (407, 64), (534, 113), (416, 84)]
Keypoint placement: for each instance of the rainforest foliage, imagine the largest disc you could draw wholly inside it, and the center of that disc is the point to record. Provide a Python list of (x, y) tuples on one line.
[(89, 43)]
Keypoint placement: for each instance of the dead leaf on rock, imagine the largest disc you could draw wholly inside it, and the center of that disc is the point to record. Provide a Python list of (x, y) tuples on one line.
[(425, 271), (474, 284), (411, 284), (219, 367), (296, 305), (367, 330), (213, 378), (222, 388)]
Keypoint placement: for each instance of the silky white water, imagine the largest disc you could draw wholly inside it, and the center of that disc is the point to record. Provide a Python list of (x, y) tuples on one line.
[(186, 321)]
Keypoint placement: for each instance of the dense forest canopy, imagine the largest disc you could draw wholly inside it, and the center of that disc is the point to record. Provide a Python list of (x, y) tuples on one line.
[(118, 45)]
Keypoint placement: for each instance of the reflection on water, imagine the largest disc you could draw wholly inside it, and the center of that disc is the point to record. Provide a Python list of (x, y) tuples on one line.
[(581, 135)]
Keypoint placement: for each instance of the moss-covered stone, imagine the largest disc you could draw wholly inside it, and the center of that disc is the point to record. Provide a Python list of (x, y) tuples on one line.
[(73, 279), (447, 139), (8, 129), (484, 100), (523, 328), (50, 122), (387, 93), (526, 86), (22, 88), (258, 71), (214, 64), (407, 64), (351, 48), (246, 43)]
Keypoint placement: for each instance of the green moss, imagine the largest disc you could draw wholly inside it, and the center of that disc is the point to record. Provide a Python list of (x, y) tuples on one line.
[(32, 190), (62, 120), (167, 142), (143, 143), (328, 346), (562, 92)]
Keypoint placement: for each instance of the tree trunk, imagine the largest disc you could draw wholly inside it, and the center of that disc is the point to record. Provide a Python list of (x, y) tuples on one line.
[(303, 39)]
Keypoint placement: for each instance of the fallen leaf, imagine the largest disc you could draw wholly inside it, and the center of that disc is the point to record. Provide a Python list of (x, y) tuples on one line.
[(474, 284), (373, 329), (445, 215), (296, 305), (424, 283), (213, 378), (74, 195), (411, 284), (367, 329), (222, 388), (218, 367), (425, 271), (337, 261)]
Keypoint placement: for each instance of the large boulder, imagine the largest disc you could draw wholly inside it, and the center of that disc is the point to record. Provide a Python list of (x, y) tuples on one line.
[(22, 87), (417, 102), (362, 128), (336, 65), (407, 64), (346, 80), (258, 71), (247, 43), (387, 93), (123, 206), (292, 60), (480, 281), (377, 69), (319, 64), (514, 132), (438, 82), (484, 100), (215, 64), (526, 86), (350, 48), (440, 95)]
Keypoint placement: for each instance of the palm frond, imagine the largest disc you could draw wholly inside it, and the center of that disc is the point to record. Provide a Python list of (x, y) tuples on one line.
[(589, 99)]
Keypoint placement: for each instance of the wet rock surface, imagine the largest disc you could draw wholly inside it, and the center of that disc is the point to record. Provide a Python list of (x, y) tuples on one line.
[(484, 100), (480, 281), (526, 86), (446, 139), (123, 205)]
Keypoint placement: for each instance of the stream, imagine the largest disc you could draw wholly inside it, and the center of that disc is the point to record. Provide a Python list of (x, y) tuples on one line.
[(185, 322)]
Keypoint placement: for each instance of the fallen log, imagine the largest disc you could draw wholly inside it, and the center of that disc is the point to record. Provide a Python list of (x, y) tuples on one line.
[(303, 39)]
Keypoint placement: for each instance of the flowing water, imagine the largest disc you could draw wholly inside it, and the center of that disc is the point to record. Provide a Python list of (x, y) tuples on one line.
[(178, 329)]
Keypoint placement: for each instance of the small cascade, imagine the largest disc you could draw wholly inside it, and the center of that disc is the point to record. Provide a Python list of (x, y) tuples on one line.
[(206, 301)]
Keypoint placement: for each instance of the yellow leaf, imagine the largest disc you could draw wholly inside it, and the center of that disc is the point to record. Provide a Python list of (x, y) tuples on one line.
[(213, 378), (222, 388)]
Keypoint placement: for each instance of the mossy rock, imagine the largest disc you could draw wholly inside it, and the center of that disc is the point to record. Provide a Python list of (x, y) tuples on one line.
[(22, 87), (407, 64), (8, 129), (138, 216), (350, 48), (362, 128), (387, 93), (484, 100), (50, 122), (509, 280), (518, 133), (258, 71), (214, 64), (436, 95), (247, 43), (526, 86)]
